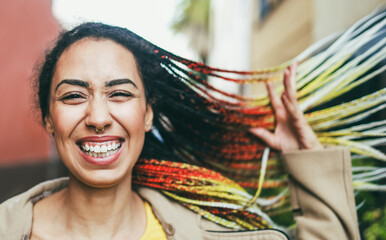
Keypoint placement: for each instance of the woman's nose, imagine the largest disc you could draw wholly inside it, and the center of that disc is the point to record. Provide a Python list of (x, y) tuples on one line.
[(98, 115)]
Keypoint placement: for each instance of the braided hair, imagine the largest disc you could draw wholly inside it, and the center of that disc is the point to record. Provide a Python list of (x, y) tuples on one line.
[(200, 152)]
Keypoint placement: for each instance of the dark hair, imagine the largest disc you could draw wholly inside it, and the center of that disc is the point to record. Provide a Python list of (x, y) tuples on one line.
[(190, 123), (186, 115), (147, 56), (142, 50)]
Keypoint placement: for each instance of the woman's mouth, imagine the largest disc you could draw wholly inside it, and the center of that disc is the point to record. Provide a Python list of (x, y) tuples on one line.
[(100, 150)]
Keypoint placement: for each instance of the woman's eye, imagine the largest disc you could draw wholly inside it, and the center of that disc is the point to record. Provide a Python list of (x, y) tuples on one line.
[(120, 95), (73, 98)]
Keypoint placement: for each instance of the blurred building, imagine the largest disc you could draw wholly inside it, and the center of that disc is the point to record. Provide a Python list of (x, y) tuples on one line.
[(27, 28), (293, 25), (252, 34)]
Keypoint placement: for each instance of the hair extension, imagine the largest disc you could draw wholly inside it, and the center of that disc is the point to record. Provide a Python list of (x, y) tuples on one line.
[(207, 127)]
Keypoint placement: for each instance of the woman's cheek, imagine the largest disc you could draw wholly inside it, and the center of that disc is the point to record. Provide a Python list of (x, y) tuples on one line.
[(67, 118), (131, 115)]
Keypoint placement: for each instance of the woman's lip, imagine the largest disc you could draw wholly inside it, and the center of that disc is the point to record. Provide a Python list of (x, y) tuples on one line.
[(101, 161), (99, 139)]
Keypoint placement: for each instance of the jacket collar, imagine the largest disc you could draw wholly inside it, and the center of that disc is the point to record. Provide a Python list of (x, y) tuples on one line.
[(177, 221), (16, 213)]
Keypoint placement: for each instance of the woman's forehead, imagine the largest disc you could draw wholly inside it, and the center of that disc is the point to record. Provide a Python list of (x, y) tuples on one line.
[(89, 48), (90, 59)]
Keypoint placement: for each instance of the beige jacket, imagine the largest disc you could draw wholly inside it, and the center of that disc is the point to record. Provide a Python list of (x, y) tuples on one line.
[(321, 195)]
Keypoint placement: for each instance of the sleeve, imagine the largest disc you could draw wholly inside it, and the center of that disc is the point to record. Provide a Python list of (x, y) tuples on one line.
[(322, 196)]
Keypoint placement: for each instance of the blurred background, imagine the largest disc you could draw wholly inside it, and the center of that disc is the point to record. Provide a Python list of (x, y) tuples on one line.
[(232, 34)]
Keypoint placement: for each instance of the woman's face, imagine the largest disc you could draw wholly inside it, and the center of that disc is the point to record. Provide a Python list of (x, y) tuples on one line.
[(96, 85)]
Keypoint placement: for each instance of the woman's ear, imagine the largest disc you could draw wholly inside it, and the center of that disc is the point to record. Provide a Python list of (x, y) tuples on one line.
[(148, 117), (49, 124)]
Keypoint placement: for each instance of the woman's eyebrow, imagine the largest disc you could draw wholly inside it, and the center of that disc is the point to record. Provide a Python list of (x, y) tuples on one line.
[(119, 81), (75, 82)]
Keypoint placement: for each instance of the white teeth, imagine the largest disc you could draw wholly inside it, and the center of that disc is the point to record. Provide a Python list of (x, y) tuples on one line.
[(97, 149), (103, 148)]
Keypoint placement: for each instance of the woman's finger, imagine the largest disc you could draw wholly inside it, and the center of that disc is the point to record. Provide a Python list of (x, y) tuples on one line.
[(289, 82), (273, 97), (293, 110), (266, 136)]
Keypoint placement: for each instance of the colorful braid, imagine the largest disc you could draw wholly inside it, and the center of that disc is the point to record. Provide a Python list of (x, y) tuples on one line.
[(201, 154)]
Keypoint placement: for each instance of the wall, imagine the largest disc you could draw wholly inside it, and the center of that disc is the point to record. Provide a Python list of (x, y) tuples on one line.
[(296, 24), (286, 32), (333, 16), (26, 29)]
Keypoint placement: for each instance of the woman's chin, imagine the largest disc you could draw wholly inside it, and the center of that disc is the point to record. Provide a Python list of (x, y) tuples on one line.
[(101, 179)]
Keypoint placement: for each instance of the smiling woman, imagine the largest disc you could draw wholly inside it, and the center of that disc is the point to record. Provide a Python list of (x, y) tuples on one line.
[(96, 85), (97, 102), (129, 121)]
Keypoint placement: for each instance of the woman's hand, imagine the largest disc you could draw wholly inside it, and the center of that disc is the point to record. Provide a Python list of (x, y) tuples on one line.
[(292, 130)]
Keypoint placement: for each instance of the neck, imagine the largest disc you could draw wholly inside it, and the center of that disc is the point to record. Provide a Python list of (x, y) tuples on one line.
[(109, 212)]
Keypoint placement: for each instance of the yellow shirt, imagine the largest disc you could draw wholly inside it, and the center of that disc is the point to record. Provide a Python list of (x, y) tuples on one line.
[(154, 230)]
